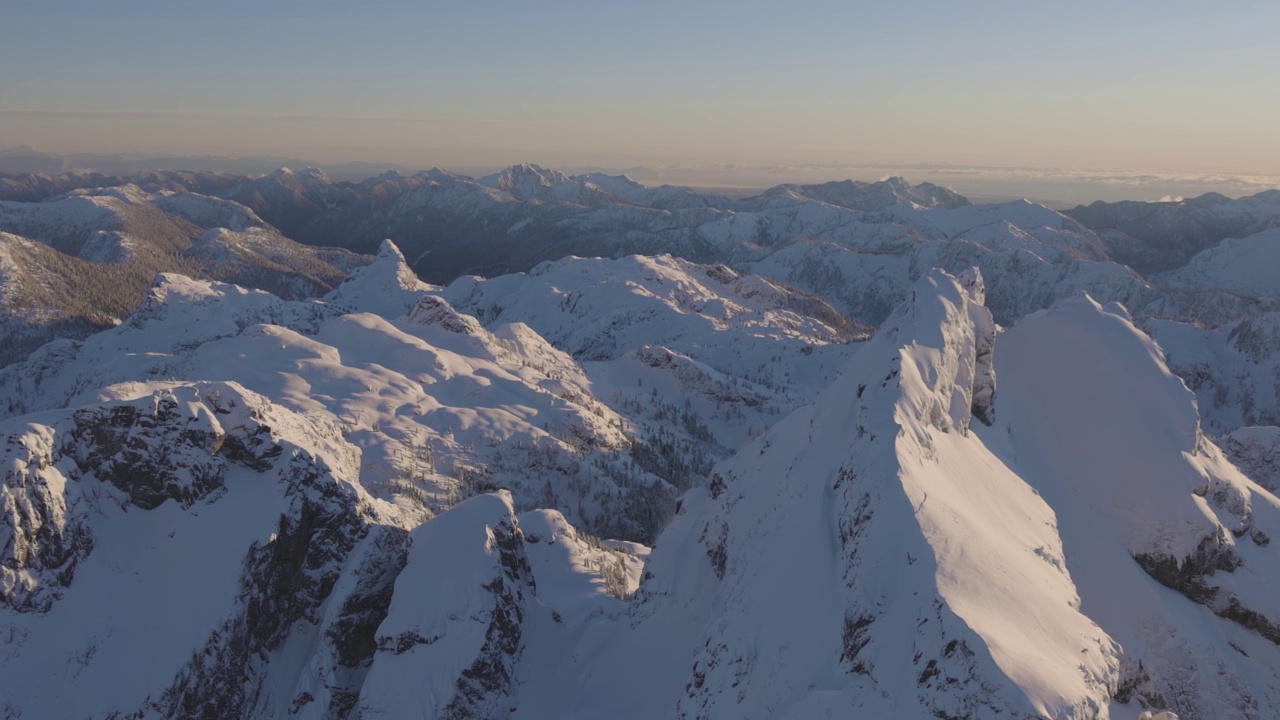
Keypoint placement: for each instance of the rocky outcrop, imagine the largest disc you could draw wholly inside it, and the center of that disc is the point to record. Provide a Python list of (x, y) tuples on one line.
[(175, 445), (455, 628)]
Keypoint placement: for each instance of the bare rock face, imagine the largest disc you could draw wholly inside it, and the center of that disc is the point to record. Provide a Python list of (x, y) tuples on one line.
[(44, 532)]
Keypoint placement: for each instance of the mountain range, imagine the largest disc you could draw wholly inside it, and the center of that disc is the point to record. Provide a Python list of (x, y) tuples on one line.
[(534, 445)]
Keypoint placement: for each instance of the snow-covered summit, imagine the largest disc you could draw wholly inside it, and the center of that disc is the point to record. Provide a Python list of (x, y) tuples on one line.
[(528, 182), (387, 286)]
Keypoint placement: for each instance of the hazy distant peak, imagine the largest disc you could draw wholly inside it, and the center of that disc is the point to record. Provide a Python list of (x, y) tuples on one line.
[(866, 197), (127, 193), (605, 179), (439, 174), (23, 151), (524, 176), (388, 176), (315, 172), (1266, 197), (1208, 199), (527, 182)]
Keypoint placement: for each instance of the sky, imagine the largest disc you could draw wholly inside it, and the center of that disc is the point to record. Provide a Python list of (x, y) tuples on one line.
[(1119, 86)]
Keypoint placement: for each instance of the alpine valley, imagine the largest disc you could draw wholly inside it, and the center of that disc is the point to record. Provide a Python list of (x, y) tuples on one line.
[(534, 446)]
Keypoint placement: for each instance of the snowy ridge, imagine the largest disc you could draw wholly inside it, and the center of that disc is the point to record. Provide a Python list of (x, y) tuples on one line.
[(881, 551), (837, 485), (286, 515), (440, 406), (599, 308), (699, 358), (128, 526)]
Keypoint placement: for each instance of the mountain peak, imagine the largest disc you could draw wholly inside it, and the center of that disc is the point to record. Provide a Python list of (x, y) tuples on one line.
[(856, 498), (525, 180), (315, 173), (387, 286)]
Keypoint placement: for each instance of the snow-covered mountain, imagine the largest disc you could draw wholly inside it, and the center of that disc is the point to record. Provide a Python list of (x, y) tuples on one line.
[(966, 524), (102, 247), (859, 245), (1245, 265), (1156, 237), (342, 430), (1043, 487), (699, 358)]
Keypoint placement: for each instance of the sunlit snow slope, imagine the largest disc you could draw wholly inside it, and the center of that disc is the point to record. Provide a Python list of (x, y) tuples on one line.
[(885, 553)]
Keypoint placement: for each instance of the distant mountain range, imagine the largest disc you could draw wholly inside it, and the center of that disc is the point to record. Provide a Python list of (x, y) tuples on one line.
[(23, 160)]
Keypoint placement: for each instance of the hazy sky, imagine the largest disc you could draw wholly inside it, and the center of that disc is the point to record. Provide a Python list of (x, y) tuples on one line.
[(1123, 84)]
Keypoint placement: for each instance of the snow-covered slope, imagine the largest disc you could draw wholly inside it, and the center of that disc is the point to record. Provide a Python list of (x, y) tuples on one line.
[(164, 545), (1256, 451), (1234, 369), (848, 561), (598, 309), (385, 287), (206, 511), (268, 497), (105, 245), (1157, 237), (1244, 265), (1113, 444), (698, 357), (439, 406), (1087, 554)]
